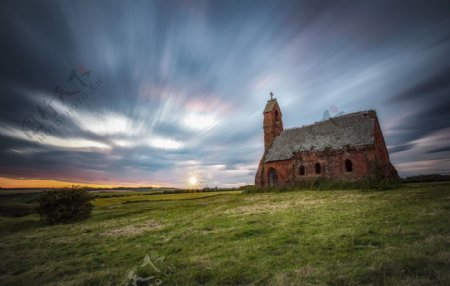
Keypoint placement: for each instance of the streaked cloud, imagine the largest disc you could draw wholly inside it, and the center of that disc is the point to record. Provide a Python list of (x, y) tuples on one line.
[(164, 143), (184, 83), (66, 143)]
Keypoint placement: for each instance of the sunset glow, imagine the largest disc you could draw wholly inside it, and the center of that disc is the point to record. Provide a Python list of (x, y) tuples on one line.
[(33, 183), (193, 182)]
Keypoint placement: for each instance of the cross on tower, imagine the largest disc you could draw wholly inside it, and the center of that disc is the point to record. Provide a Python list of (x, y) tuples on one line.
[(271, 95)]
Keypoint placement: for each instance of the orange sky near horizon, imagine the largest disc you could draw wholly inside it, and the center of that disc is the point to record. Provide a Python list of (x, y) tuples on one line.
[(42, 183)]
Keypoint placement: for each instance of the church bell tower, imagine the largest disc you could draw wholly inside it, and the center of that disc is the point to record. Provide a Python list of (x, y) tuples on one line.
[(273, 122)]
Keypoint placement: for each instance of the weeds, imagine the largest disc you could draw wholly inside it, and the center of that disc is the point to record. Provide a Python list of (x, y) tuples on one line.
[(330, 184)]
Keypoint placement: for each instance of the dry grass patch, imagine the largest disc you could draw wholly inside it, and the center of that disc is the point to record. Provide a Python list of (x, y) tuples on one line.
[(439, 237), (444, 255), (133, 229), (305, 271), (217, 230), (258, 209), (262, 208), (203, 261)]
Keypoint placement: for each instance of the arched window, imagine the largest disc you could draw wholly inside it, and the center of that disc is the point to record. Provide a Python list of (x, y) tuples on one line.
[(348, 166), (302, 170), (277, 116), (273, 178), (318, 168)]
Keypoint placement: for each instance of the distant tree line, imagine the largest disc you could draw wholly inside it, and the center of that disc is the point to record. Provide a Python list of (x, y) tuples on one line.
[(427, 178)]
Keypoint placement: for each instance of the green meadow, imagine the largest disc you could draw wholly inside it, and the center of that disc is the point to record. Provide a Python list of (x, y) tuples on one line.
[(305, 237)]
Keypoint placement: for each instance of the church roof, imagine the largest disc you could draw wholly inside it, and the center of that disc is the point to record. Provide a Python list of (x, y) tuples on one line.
[(353, 129), (270, 105)]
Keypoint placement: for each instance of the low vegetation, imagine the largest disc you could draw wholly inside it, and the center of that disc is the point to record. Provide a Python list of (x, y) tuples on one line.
[(331, 237), (332, 184), (64, 206)]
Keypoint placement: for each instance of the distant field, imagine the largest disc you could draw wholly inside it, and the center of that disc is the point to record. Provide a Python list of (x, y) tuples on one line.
[(101, 202), (18, 202), (352, 237)]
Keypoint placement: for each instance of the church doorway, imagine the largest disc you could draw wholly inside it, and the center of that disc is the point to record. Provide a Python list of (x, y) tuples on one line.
[(273, 178)]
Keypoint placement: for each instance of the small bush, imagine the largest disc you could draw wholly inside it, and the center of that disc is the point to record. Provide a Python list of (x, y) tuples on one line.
[(65, 206)]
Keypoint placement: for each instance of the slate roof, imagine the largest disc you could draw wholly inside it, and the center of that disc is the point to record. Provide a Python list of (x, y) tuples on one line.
[(353, 129)]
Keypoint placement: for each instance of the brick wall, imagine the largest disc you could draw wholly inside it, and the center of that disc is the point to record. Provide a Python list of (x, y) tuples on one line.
[(332, 162), (332, 165), (272, 125)]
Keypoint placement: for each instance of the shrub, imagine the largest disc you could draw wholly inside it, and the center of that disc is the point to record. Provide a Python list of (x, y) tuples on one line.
[(65, 205)]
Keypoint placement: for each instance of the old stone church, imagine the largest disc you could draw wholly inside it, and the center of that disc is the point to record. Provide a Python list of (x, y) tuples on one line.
[(346, 147)]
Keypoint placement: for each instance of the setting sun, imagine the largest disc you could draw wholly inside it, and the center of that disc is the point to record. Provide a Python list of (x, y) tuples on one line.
[(193, 182)]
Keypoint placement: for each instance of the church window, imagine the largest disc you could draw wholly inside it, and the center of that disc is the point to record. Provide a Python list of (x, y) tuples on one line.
[(302, 170), (318, 168), (348, 166)]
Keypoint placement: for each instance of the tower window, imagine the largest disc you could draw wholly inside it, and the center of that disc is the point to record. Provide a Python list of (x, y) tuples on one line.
[(318, 168), (277, 116), (302, 170), (348, 166)]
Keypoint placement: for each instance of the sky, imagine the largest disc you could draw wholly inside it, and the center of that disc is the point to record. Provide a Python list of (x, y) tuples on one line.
[(139, 93)]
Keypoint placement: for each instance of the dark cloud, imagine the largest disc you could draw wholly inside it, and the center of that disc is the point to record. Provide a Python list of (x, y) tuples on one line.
[(429, 88), (400, 148), (184, 82), (440, 150), (432, 117)]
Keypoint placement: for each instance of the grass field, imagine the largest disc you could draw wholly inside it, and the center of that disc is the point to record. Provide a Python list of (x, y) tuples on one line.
[(351, 237)]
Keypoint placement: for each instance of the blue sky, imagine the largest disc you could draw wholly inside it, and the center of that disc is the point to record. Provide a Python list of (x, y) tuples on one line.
[(167, 89)]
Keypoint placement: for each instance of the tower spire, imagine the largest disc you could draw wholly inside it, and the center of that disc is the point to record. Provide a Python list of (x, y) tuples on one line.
[(272, 123)]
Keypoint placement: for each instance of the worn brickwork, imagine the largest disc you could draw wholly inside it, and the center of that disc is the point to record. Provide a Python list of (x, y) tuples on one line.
[(273, 123), (332, 165), (349, 162)]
